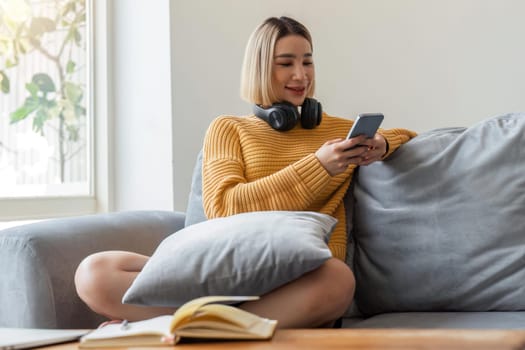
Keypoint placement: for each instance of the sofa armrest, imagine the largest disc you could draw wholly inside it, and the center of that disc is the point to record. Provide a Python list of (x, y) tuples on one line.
[(38, 263)]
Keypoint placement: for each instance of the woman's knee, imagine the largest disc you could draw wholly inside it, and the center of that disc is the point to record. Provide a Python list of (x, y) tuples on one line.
[(336, 288), (343, 281), (91, 275), (102, 278)]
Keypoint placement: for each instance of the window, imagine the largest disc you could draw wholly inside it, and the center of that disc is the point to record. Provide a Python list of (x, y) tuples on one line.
[(46, 114)]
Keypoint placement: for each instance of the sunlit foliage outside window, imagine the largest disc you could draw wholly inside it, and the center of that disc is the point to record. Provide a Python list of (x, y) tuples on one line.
[(44, 115)]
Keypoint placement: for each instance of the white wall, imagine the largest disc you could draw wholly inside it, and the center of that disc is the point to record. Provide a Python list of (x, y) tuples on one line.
[(424, 63), (140, 104)]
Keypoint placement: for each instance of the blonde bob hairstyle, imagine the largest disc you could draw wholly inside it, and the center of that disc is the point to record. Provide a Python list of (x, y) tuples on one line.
[(256, 75)]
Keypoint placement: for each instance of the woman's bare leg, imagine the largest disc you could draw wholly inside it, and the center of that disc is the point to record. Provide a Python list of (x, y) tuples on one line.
[(313, 300), (102, 279)]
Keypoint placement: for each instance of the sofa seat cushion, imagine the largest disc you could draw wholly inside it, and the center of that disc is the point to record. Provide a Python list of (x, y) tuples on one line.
[(440, 225), (443, 320)]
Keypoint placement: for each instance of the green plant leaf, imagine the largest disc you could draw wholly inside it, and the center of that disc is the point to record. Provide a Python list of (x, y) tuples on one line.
[(78, 37), (74, 35), (33, 89), (33, 102), (4, 45), (68, 111), (41, 25), (70, 67), (11, 25), (24, 45), (80, 111), (73, 133), (48, 104), (44, 82), (30, 105), (39, 120), (12, 61), (4, 82), (73, 92), (54, 111), (9, 47), (69, 7), (20, 114)]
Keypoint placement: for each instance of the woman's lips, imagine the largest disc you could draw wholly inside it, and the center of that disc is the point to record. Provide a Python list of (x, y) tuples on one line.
[(299, 91)]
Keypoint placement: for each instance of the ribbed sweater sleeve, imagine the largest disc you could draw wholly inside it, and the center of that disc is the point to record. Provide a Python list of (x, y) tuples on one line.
[(395, 138)]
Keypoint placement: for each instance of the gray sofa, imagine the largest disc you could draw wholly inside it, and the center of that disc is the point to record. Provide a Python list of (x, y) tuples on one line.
[(38, 262), (436, 239)]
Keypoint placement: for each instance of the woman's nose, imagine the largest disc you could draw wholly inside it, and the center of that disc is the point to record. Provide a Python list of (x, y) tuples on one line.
[(299, 72)]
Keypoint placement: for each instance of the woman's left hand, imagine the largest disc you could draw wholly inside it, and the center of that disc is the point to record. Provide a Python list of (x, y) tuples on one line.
[(377, 148)]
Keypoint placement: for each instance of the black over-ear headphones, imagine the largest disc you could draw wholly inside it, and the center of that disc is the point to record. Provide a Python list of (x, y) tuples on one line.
[(284, 116)]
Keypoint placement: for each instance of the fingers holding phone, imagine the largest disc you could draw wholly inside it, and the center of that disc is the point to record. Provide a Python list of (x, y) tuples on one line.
[(362, 145), (337, 155), (376, 149)]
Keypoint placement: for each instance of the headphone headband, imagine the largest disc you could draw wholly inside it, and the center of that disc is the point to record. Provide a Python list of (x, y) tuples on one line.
[(284, 116)]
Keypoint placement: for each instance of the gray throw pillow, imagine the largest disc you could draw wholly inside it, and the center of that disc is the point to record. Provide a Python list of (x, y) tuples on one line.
[(245, 254), (440, 225)]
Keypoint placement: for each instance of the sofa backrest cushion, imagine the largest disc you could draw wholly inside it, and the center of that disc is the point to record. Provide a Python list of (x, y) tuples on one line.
[(195, 209), (440, 225)]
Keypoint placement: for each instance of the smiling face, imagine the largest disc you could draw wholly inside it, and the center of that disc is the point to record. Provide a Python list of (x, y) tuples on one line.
[(293, 69)]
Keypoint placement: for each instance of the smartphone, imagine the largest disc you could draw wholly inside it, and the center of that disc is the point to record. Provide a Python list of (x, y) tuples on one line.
[(366, 124)]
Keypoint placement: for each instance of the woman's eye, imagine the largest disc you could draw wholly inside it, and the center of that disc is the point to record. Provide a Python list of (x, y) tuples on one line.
[(285, 64), (308, 63)]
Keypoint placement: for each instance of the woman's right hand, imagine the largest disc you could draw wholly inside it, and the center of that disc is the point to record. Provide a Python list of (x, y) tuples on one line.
[(336, 155)]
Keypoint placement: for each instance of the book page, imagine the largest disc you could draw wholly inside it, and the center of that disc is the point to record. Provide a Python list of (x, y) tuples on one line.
[(204, 318), (187, 311), (157, 326), (262, 329), (224, 313)]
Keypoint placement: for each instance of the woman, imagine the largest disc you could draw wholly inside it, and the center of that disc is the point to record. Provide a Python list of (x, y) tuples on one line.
[(248, 165)]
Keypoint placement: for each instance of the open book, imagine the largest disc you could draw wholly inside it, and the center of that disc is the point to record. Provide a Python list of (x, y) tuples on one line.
[(198, 318)]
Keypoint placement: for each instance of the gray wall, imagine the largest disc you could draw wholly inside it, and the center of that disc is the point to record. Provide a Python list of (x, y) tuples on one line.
[(424, 63)]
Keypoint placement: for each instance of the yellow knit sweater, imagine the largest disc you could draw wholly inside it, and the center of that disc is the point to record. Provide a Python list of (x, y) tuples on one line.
[(248, 166)]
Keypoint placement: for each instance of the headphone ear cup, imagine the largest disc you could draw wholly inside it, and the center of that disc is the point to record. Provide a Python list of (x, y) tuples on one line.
[(311, 113), (281, 117)]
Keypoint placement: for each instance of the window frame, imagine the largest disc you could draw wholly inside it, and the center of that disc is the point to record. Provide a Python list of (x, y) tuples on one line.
[(100, 199)]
